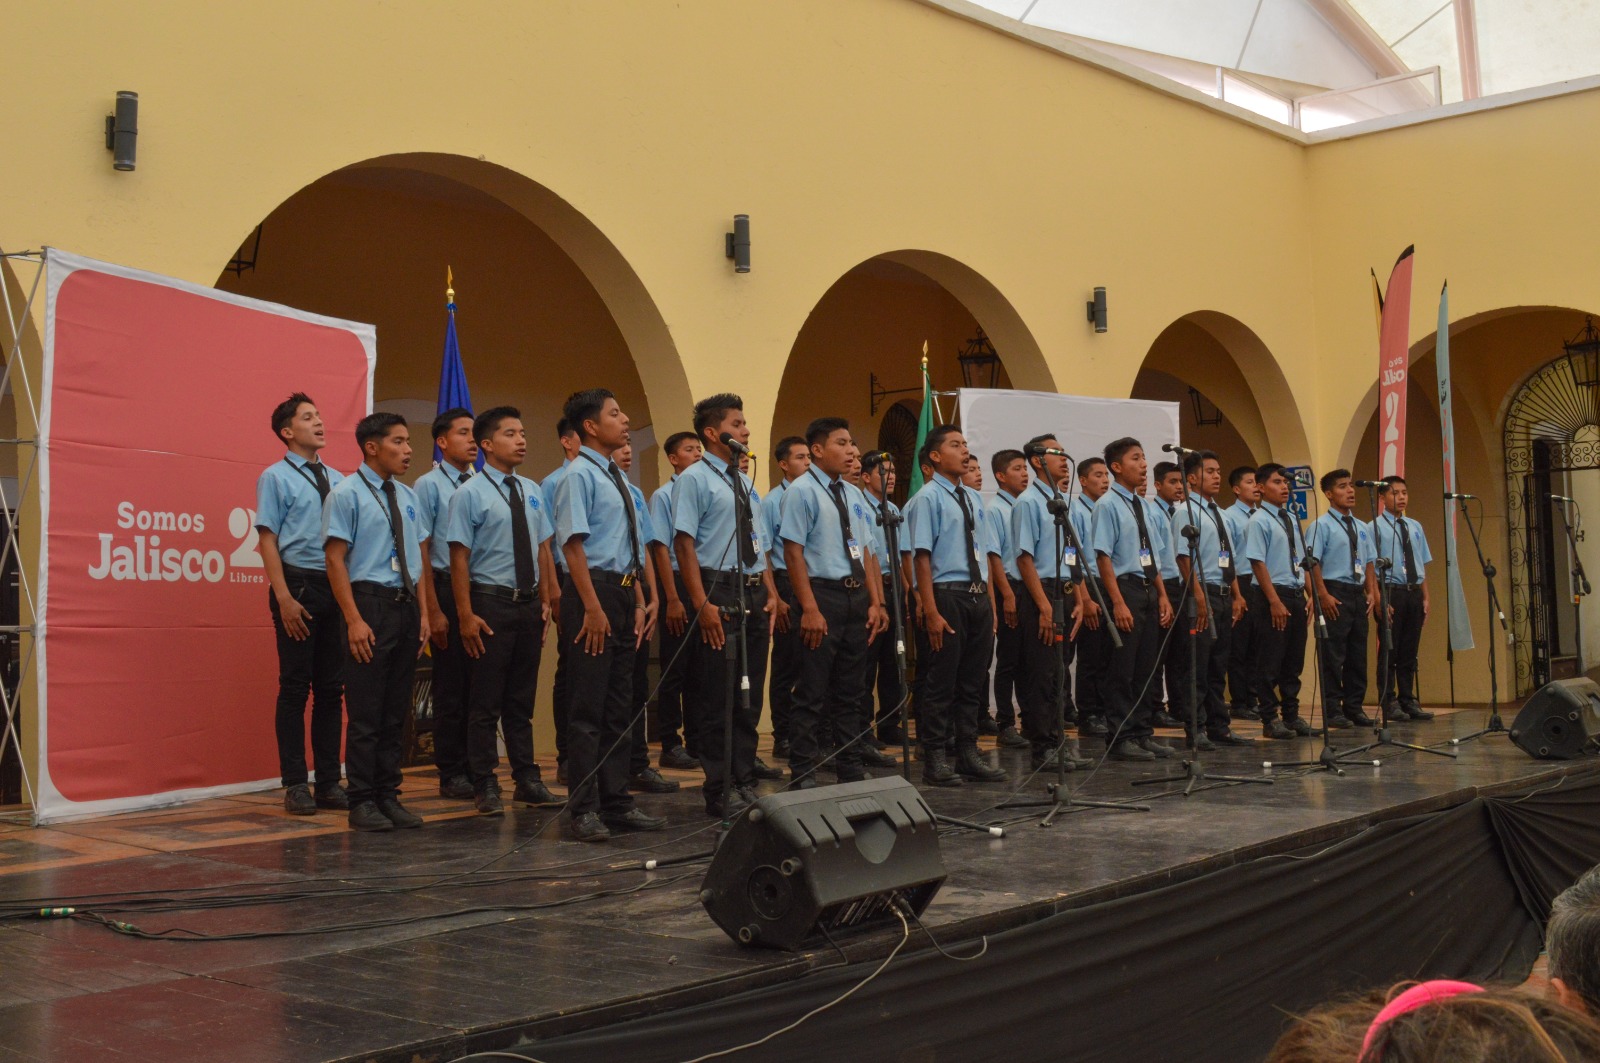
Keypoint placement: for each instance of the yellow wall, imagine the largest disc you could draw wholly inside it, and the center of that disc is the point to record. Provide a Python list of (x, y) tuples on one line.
[(628, 133)]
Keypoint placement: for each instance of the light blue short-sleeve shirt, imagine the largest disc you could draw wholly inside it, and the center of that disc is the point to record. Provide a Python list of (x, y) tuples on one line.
[(1216, 569), (1114, 531), (289, 506), (1033, 532), (936, 524), (1330, 545), (588, 507), (704, 508), (810, 519), (999, 513), (1268, 542), (1389, 543), (661, 515), (479, 518), (1167, 550), (358, 513), (435, 488)]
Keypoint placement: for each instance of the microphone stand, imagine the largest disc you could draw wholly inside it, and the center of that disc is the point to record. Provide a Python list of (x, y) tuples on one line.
[(1580, 585), (1060, 798), (736, 648), (1495, 725), (890, 522), (1194, 768), (1380, 725)]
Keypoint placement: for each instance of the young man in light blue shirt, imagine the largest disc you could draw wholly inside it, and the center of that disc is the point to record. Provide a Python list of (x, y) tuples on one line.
[(793, 458), (305, 618), (1010, 471), (1347, 593), (458, 454), (1093, 648), (560, 697), (1275, 546), (1401, 539), (1242, 654), (1218, 556), (883, 671), (373, 529), (675, 728), (642, 778), (1174, 662)]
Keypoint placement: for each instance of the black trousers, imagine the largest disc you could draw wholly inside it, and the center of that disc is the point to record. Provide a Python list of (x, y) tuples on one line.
[(1175, 652), (1400, 679), (1132, 667), (600, 703), (1212, 656), (504, 680), (312, 666), (1094, 659), (561, 689), (827, 690), (1041, 670), (712, 668), (377, 697), (785, 660), (675, 664), (955, 677), (883, 673), (1344, 652), (638, 740), (1007, 654), (450, 686), (1280, 655), (1242, 656)]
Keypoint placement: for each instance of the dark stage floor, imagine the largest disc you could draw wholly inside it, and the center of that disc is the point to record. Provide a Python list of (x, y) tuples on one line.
[(451, 963)]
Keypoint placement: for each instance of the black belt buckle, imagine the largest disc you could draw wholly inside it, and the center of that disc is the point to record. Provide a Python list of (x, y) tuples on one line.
[(518, 595)]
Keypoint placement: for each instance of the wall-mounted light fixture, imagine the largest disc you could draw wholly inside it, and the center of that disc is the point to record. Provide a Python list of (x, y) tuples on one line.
[(739, 243), (1097, 310), (122, 132)]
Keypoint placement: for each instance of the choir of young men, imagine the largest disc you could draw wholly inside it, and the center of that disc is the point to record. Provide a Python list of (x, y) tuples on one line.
[(1037, 581)]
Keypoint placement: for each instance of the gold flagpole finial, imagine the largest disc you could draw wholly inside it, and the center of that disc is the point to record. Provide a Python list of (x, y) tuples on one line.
[(924, 355), (449, 286)]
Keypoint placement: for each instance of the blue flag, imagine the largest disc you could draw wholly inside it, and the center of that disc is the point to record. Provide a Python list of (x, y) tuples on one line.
[(452, 374)]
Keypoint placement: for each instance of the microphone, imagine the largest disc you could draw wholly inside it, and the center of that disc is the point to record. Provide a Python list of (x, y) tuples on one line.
[(1453, 494), (1562, 498), (733, 444), (1039, 450), (877, 456), (1173, 448), (1379, 484)]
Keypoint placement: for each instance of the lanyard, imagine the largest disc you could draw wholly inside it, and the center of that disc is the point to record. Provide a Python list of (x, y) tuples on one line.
[(383, 507), (305, 472)]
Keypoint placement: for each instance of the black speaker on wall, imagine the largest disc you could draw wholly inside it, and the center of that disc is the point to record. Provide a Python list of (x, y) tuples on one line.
[(834, 858), (1560, 721)]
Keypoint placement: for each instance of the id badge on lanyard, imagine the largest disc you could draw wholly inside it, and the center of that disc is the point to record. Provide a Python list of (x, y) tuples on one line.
[(1224, 560), (1070, 557), (1146, 558), (855, 549)]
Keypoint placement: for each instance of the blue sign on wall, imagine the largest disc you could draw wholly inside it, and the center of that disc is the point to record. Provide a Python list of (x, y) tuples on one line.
[(1300, 481)]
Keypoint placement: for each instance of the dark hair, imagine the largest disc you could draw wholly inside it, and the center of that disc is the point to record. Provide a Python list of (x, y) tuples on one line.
[(1237, 476), (488, 422), (676, 440), (376, 426), (284, 412), (819, 430), (1002, 458), (443, 422), (1265, 472), (1088, 463), (1392, 480), (935, 440), (564, 428), (1572, 937), (710, 412), (1333, 476), (585, 406), (1117, 449), (786, 444), (1196, 459), (1165, 469)]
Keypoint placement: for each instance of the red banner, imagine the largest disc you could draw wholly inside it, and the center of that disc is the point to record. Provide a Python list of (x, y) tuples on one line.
[(157, 667), (1394, 360)]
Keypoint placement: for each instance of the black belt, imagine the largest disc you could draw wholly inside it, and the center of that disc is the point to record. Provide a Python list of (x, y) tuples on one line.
[(963, 587), (1403, 587), (709, 574), (1217, 588), (1345, 585), (849, 583), (306, 573), (510, 594), (441, 573), (1054, 584), (1289, 588), (616, 579), (378, 590), (1143, 581)]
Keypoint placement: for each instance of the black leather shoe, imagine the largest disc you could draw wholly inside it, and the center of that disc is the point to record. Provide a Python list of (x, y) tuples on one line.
[(1276, 729), (807, 782), (561, 775), (535, 794), (1200, 742), (1360, 719), (1417, 712), (936, 769), (1163, 718), (1157, 748), (763, 770), (1395, 720), (678, 758), (635, 819), (987, 725), (1228, 738), (1340, 723), (297, 801), (1303, 729), (873, 759), (1046, 760), (1009, 739), (588, 828), (333, 797), (780, 748), (457, 786), (366, 816), (730, 804), (1245, 712), (488, 802), (1128, 749), (398, 814), (650, 781), (1094, 726), (971, 765)]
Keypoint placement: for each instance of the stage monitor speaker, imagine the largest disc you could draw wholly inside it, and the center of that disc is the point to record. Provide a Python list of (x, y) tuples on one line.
[(1560, 721), (803, 863)]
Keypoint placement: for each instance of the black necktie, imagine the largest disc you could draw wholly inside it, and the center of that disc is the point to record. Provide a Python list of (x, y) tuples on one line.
[(857, 571), (1355, 554), (1294, 554), (1405, 552), (1145, 550), (634, 563), (397, 526), (1222, 533), (967, 525), (464, 477), (741, 497), (521, 540), (318, 471)]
